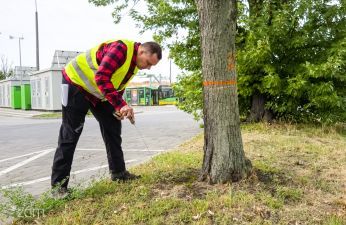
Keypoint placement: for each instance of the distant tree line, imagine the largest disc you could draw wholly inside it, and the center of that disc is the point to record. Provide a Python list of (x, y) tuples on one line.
[(5, 68)]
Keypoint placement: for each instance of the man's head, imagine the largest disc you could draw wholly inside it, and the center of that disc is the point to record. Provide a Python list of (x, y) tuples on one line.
[(149, 54)]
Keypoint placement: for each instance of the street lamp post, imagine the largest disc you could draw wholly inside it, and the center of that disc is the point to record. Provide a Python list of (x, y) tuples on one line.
[(20, 49), (170, 71), (20, 52), (37, 43)]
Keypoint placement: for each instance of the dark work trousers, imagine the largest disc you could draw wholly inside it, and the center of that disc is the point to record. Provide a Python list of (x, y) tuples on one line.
[(73, 117)]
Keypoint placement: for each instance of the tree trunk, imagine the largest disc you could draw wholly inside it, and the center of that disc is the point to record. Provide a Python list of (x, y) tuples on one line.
[(258, 111), (224, 158), (257, 108)]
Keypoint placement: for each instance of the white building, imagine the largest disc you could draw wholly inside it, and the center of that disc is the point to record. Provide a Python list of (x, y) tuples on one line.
[(46, 84), (9, 86)]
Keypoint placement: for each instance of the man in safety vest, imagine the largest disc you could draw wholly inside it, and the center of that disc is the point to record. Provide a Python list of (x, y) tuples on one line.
[(95, 81)]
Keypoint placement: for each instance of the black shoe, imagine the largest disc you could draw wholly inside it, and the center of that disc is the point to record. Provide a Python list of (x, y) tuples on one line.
[(124, 176), (60, 192)]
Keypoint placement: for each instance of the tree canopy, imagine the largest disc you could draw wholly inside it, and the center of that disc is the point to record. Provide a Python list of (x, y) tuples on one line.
[(290, 53), (5, 68)]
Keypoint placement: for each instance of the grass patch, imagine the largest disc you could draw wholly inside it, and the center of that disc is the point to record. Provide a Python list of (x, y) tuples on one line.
[(299, 177), (53, 115)]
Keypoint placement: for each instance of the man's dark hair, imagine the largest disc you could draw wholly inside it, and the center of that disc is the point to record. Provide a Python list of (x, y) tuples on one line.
[(153, 48)]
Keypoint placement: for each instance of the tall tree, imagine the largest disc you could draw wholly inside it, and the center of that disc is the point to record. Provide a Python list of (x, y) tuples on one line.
[(224, 158)]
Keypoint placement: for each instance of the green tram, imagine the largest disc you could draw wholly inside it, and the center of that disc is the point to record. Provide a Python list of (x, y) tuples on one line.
[(162, 95)]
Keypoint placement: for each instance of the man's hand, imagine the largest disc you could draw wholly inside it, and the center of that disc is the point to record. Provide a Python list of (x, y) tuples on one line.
[(127, 112)]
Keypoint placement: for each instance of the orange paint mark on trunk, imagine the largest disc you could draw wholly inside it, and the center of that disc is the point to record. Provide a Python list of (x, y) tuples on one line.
[(231, 61), (219, 83)]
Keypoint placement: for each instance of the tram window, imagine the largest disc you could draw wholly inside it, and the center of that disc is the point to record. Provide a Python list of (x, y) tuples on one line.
[(170, 93), (141, 93), (167, 93), (128, 93)]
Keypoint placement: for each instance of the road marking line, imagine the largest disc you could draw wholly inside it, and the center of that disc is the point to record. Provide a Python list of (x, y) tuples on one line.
[(82, 149), (17, 157), (90, 149), (48, 178), (9, 169), (143, 150), (124, 150)]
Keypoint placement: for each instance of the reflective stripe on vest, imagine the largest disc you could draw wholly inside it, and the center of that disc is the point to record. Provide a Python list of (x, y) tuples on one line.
[(83, 68), (90, 61), (86, 80)]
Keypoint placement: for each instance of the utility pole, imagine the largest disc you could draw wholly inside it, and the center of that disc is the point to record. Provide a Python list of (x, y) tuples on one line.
[(37, 44), (170, 71)]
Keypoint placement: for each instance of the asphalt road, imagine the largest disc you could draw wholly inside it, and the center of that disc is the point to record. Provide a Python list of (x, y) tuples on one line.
[(27, 146)]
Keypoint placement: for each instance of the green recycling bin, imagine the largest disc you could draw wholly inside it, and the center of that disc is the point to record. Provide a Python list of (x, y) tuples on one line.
[(15, 97), (26, 96)]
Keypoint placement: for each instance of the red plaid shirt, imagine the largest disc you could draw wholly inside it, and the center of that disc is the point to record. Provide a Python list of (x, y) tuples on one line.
[(110, 57)]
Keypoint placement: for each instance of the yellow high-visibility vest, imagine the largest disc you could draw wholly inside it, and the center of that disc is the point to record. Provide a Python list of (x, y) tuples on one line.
[(81, 70)]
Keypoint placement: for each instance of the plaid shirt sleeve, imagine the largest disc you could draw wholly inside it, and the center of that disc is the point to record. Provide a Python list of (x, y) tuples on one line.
[(113, 57)]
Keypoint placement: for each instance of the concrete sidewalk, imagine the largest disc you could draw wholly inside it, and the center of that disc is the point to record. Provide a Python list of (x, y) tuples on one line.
[(9, 112)]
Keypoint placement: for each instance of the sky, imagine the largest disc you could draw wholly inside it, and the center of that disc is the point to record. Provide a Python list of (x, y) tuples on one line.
[(70, 25)]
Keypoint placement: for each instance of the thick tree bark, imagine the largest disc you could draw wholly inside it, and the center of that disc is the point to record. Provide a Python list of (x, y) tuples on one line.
[(257, 108), (224, 158), (258, 111)]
